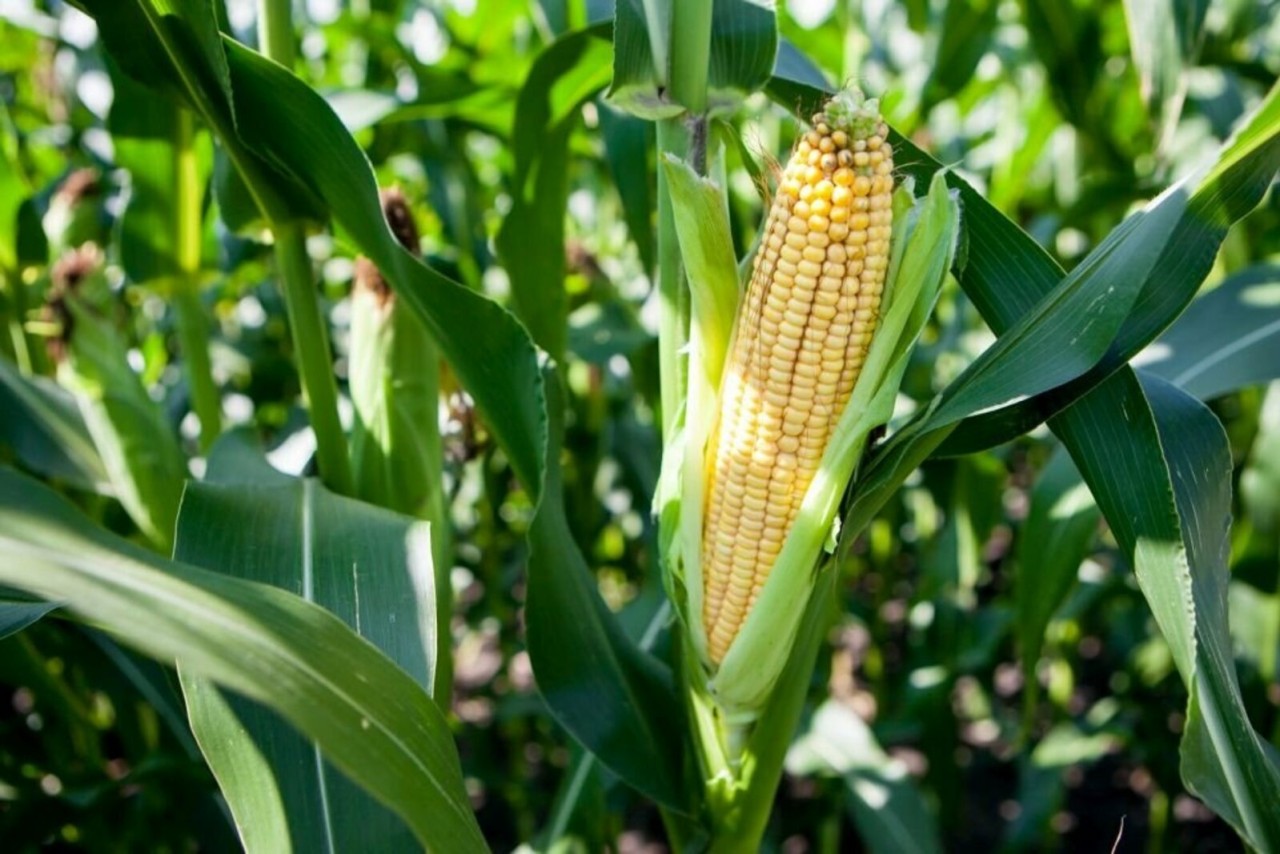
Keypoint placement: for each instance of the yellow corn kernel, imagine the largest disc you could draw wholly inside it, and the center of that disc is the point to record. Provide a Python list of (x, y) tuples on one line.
[(805, 325)]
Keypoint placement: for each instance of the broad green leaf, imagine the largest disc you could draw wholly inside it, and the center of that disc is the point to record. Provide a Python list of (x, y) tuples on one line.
[(16, 616), (245, 775), (1235, 185), (300, 161), (46, 431), (1054, 540), (1057, 339), (370, 718), (569, 72), (175, 46), (1005, 274), (370, 567), (617, 701), (886, 806), (1227, 339), (486, 347), (1067, 331), (1161, 475), (744, 47), (579, 807)]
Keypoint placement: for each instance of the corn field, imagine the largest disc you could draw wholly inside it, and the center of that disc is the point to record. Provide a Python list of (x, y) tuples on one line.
[(662, 425)]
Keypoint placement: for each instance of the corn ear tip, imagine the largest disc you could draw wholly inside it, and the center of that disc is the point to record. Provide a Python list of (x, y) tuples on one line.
[(853, 111)]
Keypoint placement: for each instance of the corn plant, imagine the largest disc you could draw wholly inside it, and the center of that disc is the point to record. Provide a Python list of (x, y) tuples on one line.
[(652, 410)]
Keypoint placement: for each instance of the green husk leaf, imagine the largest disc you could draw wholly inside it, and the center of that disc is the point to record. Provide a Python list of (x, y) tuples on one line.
[(755, 660)]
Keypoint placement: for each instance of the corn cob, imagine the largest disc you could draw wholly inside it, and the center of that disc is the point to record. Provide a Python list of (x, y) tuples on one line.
[(802, 334)]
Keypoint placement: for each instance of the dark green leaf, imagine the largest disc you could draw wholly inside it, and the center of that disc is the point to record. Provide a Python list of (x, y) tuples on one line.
[(616, 700), (627, 142), (1242, 174), (964, 37), (1226, 340), (16, 616)]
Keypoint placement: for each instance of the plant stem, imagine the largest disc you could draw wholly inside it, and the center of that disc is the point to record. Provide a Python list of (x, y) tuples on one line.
[(311, 346), (193, 329), (306, 321), (275, 31), (690, 53)]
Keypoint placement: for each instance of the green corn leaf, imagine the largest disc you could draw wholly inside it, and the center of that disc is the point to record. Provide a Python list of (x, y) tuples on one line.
[(370, 718), (530, 242), (1227, 339), (300, 162), (577, 661), (371, 568), (16, 616), (1170, 453), (1240, 177), (46, 431)]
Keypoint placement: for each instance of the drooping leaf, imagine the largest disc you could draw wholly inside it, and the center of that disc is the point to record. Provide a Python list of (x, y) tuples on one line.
[(370, 718), (1235, 185), (370, 567), (1057, 339), (636, 732), (1227, 339), (299, 161), (1161, 475)]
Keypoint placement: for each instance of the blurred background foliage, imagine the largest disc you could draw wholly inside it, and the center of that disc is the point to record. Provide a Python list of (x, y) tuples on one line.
[(1064, 113)]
